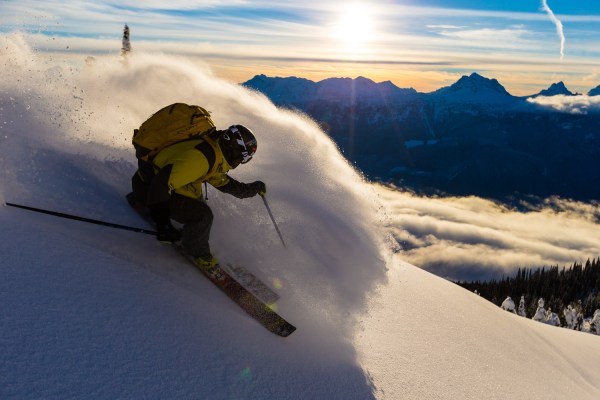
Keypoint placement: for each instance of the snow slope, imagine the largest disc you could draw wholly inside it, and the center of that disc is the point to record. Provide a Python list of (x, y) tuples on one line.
[(93, 312)]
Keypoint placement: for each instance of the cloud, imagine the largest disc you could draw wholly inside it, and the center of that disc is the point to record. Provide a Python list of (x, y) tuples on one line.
[(581, 104), (559, 27), (485, 37), (473, 238), (445, 26), (172, 4)]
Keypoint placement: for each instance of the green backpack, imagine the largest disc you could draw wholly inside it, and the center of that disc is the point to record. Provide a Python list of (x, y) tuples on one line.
[(169, 125)]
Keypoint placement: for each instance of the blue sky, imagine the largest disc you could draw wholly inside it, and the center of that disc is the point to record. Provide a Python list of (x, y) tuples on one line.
[(425, 44)]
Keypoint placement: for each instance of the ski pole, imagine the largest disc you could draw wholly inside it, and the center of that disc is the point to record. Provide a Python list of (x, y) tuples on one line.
[(83, 219), (272, 218)]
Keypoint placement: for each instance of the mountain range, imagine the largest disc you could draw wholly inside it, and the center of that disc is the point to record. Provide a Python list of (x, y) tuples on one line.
[(470, 138)]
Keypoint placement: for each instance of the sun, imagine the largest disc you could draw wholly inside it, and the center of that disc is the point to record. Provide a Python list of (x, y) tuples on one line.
[(354, 29)]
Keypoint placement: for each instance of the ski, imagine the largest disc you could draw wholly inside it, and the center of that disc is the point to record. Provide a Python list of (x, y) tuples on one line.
[(248, 280), (257, 308), (238, 272)]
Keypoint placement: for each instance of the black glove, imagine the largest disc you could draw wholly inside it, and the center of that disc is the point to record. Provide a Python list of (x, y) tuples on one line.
[(167, 233), (243, 190), (259, 187)]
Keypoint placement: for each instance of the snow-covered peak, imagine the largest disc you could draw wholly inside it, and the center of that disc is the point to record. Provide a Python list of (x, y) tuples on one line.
[(555, 89), (474, 88), (291, 89)]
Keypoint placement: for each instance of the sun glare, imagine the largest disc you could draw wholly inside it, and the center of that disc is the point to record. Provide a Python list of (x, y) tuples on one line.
[(354, 29)]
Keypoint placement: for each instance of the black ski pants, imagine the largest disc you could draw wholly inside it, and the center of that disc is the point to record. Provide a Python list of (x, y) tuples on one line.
[(196, 217)]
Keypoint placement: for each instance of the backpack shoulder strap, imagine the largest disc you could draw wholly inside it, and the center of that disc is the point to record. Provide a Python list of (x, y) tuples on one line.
[(210, 148)]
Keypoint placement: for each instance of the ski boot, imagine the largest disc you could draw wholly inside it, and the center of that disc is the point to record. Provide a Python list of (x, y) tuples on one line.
[(210, 266)]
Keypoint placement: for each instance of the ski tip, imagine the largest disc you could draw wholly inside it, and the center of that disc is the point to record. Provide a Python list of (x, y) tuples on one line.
[(286, 330)]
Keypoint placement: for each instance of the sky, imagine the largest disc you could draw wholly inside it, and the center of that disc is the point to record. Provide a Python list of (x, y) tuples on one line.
[(427, 44), (94, 312)]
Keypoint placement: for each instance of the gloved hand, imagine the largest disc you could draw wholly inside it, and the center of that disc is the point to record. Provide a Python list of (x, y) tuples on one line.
[(259, 187), (167, 233)]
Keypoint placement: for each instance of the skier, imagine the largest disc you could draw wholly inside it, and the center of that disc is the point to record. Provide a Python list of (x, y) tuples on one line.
[(171, 187)]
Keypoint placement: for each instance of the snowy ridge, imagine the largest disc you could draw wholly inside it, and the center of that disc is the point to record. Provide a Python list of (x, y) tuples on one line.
[(346, 91), (90, 312), (473, 89)]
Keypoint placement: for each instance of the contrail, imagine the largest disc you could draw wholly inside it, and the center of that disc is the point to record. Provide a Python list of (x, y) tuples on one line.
[(559, 27)]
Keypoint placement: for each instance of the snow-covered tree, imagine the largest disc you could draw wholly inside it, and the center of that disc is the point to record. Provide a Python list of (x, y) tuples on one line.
[(522, 311), (509, 305), (570, 316), (595, 323), (552, 318), (546, 316), (540, 313)]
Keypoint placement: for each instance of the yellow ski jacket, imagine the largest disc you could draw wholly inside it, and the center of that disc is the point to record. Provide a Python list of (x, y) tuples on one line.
[(183, 167), (189, 166)]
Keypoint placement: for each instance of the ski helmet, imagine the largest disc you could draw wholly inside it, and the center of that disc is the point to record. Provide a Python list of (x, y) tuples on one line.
[(245, 140)]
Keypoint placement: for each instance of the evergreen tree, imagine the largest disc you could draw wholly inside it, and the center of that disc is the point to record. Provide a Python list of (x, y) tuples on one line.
[(540, 313), (509, 305), (126, 49), (595, 323), (522, 312), (570, 317), (577, 286), (552, 318)]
